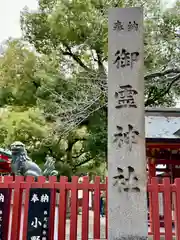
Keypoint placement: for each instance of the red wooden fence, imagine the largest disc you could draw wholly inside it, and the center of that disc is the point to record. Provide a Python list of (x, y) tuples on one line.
[(58, 229)]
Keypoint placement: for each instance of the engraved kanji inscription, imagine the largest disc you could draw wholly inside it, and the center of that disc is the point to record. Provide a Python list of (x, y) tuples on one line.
[(133, 26), (126, 137), (125, 58), (118, 26), (126, 180), (125, 97), (128, 26)]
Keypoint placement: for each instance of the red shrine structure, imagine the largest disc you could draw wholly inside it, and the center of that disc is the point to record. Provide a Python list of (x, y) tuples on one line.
[(5, 162), (162, 131), (162, 127)]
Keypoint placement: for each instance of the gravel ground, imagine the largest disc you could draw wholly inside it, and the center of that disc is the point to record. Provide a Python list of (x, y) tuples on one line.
[(102, 222)]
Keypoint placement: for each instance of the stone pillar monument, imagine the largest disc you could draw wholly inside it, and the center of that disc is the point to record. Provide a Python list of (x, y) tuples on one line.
[(127, 198)]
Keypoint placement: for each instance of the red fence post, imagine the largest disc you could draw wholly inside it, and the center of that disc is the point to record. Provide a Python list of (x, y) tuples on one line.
[(97, 208), (150, 211), (5, 184), (85, 208), (62, 208), (155, 209), (177, 208), (51, 185), (106, 213), (167, 208), (17, 200), (74, 203), (26, 187)]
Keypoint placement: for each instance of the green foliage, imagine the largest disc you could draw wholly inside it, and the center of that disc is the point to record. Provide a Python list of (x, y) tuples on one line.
[(63, 81), (76, 31), (17, 67), (97, 140), (27, 126)]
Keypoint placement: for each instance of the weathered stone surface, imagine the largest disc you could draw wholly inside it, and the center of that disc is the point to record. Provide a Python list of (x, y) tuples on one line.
[(131, 238), (127, 205)]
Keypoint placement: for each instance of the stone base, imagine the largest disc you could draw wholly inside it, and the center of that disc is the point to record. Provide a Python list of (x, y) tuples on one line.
[(130, 237)]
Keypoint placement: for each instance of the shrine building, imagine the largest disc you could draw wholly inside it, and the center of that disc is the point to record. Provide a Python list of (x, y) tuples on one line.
[(162, 127)]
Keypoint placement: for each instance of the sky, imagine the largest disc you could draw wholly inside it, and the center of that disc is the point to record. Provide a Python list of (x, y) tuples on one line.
[(10, 16)]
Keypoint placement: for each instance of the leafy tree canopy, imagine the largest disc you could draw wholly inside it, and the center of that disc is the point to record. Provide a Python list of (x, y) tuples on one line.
[(77, 31), (64, 80)]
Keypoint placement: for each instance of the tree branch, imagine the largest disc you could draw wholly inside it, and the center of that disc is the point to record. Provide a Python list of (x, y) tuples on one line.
[(77, 156), (150, 100), (75, 57), (150, 92), (81, 163), (53, 155), (88, 158), (174, 80), (99, 59), (162, 74)]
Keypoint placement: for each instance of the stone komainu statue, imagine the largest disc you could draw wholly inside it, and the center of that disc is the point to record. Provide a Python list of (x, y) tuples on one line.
[(49, 168), (21, 164)]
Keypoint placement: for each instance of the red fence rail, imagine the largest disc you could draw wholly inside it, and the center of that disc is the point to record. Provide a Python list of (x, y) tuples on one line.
[(90, 223)]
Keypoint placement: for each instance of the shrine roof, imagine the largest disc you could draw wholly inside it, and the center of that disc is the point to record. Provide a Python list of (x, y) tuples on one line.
[(162, 123)]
